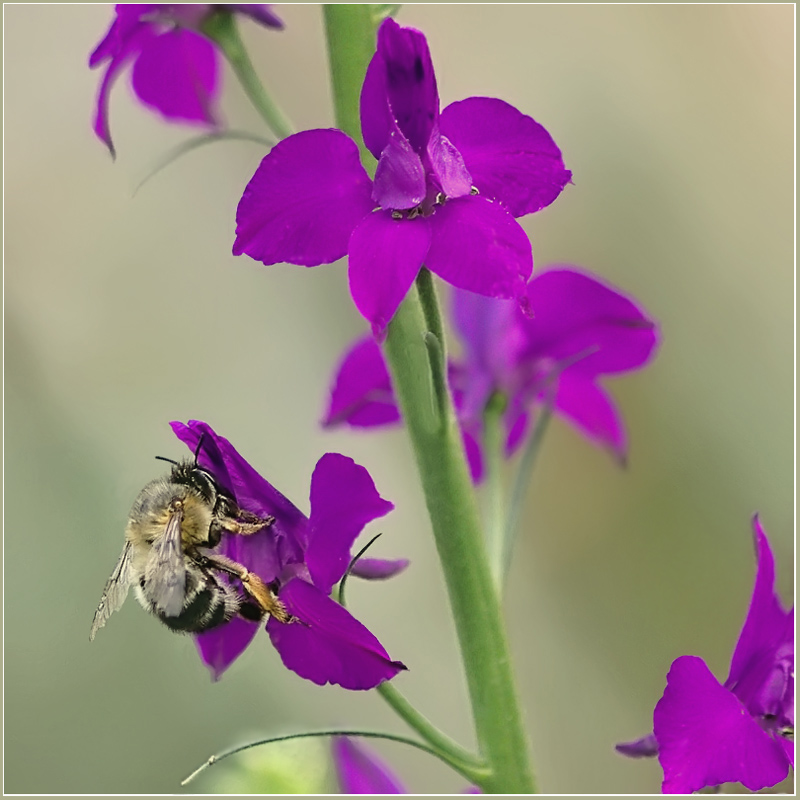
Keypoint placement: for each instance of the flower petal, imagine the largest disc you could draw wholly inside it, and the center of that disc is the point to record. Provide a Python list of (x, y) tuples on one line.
[(492, 339), (400, 86), (707, 738), (327, 644), (645, 747), (510, 156), (362, 393), (304, 200), (343, 501), (385, 257), (176, 73), (577, 318), (123, 53), (448, 166), (378, 569), (400, 176), (221, 646), (477, 245), (589, 408), (282, 542), (360, 771), (763, 660), (259, 12)]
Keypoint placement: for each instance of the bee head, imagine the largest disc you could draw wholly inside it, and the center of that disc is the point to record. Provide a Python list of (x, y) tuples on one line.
[(191, 474)]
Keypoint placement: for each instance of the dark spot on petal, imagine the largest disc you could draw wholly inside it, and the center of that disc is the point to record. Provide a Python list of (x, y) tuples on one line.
[(419, 70)]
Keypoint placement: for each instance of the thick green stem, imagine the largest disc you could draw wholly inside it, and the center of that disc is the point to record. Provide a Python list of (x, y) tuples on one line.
[(350, 31), (459, 540), (221, 27), (415, 353)]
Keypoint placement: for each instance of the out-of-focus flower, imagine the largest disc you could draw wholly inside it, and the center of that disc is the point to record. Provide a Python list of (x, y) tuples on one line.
[(580, 331), (302, 557), (706, 733), (360, 771), (446, 191), (175, 68)]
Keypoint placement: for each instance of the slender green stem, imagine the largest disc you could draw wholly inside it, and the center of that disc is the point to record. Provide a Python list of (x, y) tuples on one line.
[(494, 447), (447, 748), (199, 141), (215, 759), (521, 484), (221, 27)]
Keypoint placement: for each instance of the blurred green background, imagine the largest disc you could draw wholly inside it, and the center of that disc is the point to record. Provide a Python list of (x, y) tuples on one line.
[(124, 312)]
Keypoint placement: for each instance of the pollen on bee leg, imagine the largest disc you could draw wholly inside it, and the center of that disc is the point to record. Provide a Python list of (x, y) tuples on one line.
[(261, 592)]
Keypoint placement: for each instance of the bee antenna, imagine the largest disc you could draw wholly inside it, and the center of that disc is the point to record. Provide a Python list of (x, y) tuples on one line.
[(199, 447), (164, 458)]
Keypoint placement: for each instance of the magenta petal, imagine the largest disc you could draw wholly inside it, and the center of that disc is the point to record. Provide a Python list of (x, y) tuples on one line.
[(258, 12), (327, 644), (707, 738), (474, 454), (510, 156), (645, 747), (587, 406), (409, 83), (360, 771), (122, 56), (221, 646), (304, 200), (448, 166), (343, 501), (253, 493), (400, 176), (764, 626), (362, 391), (492, 339), (385, 257), (378, 569), (578, 319), (176, 74), (477, 245)]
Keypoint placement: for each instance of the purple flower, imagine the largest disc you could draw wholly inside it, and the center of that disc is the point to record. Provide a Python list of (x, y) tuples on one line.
[(446, 190), (360, 771), (580, 331), (706, 733), (175, 69), (303, 557)]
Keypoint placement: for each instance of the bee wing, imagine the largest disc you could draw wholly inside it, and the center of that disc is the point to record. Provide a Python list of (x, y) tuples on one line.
[(165, 573), (114, 592)]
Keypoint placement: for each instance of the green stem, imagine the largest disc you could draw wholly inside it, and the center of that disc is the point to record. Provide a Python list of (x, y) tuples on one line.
[(521, 483), (452, 752), (457, 530), (350, 31), (436, 440), (221, 28), (448, 750), (494, 448), (215, 759)]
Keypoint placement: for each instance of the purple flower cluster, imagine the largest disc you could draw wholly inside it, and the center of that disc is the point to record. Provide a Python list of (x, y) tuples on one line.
[(304, 557), (707, 733), (579, 331), (175, 68), (446, 192)]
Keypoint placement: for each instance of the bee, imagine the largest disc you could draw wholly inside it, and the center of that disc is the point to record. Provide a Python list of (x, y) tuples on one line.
[(174, 524)]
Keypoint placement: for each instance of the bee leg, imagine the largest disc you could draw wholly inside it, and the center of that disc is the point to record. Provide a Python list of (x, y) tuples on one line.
[(246, 524), (252, 584)]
